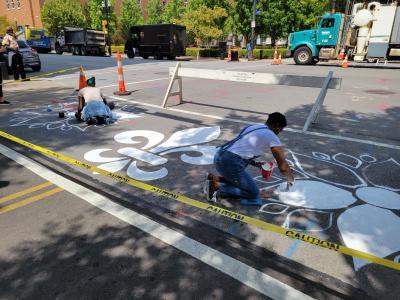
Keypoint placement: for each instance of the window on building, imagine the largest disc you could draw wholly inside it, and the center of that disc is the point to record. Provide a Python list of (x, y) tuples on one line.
[(12, 4), (18, 3), (8, 4)]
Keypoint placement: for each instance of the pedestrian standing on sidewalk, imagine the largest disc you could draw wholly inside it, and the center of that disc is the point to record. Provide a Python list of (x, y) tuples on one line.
[(2, 101), (233, 157), (17, 63), (248, 51)]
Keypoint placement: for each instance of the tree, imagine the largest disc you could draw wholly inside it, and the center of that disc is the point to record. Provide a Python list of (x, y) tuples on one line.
[(201, 23), (154, 12), (4, 23), (131, 14), (242, 16), (97, 13), (173, 11), (57, 14)]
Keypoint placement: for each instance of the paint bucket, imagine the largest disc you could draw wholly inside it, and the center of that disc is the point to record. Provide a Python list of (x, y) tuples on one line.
[(61, 114), (266, 169)]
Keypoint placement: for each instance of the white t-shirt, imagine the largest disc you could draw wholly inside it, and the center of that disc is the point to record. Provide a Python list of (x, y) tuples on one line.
[(255, 143), (91, 94), (10, 41)]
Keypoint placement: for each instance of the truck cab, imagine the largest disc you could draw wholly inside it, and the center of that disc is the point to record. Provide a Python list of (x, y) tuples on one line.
[(308, 46)]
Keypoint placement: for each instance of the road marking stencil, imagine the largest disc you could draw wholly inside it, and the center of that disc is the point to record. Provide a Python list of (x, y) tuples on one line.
[(208, 207)]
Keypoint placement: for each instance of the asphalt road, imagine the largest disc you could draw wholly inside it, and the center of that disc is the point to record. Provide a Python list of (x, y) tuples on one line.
[(347, 167)]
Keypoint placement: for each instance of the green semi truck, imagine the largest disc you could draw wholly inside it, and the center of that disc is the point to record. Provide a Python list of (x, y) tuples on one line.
[(368, 31)]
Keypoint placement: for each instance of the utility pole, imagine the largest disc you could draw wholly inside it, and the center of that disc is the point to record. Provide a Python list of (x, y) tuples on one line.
[(107, 7), (253, 25)]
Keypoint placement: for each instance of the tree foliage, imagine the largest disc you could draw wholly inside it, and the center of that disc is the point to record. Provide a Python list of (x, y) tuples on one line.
[(154, 12), (173, 11), (96, 13), (279, 18), (241, 20), (131, 14), (201, 23), (4, 23), (57, 14)]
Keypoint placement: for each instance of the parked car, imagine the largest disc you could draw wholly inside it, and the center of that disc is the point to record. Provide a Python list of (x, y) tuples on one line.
[(30, 56)]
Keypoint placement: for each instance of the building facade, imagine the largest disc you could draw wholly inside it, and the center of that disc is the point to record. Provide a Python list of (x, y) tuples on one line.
[(22, 12)]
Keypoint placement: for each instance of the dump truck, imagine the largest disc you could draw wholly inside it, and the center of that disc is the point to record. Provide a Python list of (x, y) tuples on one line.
[(158, 41), (367, 31), (81, 41)]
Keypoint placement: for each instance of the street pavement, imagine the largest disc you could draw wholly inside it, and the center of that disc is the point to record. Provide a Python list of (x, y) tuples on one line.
[(347, 167)]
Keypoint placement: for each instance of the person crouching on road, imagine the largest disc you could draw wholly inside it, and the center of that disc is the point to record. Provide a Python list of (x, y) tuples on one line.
[(92, 107), (233, 157), (17, 62)]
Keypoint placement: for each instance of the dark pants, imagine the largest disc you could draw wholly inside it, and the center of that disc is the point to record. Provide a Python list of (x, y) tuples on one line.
[(17, 66), (1, 84), (237, 182)]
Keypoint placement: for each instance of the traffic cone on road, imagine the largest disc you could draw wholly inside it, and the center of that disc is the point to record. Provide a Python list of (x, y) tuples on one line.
[(82, 79), (341, 54), (121, 83), (280, 59), (275, 62), (345, 63)]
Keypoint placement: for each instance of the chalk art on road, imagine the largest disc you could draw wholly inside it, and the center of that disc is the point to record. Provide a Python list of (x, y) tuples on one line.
[(150, 151), (45, 117), (360, 190)]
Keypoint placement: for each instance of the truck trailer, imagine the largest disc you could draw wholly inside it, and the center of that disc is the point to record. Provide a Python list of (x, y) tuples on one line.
[(159, 41), (368, 31), (81, 41)]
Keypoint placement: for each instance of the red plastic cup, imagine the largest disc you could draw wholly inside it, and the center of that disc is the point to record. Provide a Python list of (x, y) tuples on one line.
[(266, 169)]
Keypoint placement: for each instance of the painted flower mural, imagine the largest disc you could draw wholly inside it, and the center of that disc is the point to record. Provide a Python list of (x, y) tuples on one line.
[(153, 150), (342, 181)]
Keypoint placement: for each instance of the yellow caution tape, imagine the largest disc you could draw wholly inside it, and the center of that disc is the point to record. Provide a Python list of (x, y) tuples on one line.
[(211, 208), (40, 75)]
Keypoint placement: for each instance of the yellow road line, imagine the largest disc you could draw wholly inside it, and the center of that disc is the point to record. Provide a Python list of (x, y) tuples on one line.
[(40, 75), (29, 200), (24, 192), (210, 208)]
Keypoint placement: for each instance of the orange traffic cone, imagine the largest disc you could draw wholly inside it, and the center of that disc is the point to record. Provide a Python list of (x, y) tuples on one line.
[(121, 83), (82, 79), (280, 59), (341, 54), (275, 56), (345, 63)]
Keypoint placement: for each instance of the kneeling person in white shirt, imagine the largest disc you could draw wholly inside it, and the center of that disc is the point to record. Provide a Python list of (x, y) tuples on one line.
[(233, 157), (93, 107)]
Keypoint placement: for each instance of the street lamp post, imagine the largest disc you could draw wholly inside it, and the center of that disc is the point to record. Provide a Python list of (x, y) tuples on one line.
[(107, 7), (253, 25)]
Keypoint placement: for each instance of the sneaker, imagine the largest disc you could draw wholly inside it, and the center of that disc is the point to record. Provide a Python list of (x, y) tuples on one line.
[(214, 197), (210, 191), (5, 102), (100, 120), (91, 121)]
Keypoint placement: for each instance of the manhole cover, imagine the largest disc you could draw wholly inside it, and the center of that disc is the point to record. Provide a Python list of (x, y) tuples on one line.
[(380, 92)]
